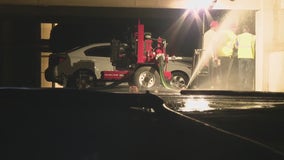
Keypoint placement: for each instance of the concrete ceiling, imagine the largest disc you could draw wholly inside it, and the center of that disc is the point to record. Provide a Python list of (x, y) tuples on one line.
[(56, 10), (178, 4)]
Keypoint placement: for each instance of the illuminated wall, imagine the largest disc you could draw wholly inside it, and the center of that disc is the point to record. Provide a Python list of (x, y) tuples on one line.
[(270, 40), (45, 35)]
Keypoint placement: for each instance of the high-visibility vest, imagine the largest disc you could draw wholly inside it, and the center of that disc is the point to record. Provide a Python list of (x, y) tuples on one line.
[(246, 45), (227, 43)]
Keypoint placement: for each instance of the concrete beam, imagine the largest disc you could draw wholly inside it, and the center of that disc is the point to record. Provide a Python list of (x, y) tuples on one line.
[(181, 4)]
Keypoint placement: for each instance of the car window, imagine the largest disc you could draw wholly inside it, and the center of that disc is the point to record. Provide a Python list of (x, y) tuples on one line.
[(99, 51)]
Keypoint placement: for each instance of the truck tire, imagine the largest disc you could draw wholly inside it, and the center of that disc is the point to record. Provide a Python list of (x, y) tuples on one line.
[(179, 80), (146, 78)]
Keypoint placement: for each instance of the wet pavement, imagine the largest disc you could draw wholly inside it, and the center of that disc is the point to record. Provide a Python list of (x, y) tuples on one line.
[(256, 117)]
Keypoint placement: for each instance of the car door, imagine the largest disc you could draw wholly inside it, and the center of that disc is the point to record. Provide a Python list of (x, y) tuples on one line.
[(100, 54)]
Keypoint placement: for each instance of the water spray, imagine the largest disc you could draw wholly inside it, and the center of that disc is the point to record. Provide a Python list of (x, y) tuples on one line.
[(202, 60)]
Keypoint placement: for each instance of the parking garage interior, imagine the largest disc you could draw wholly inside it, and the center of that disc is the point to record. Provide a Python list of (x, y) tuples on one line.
[(25, 41), (29, 34), (39, 124), (26, 38)]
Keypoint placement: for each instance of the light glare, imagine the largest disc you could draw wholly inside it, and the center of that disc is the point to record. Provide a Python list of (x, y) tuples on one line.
[(196, 105)]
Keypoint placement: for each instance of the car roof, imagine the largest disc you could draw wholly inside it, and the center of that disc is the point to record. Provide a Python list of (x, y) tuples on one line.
[(84, 47)]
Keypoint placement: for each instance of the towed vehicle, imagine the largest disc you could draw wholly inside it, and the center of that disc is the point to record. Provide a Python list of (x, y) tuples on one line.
[(141, 62)]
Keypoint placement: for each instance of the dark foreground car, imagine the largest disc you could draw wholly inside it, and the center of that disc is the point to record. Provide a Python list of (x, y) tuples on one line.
[(45, 124)]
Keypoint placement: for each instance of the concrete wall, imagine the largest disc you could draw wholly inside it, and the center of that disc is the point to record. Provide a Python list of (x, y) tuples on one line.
[(19, 53), (270, 44)]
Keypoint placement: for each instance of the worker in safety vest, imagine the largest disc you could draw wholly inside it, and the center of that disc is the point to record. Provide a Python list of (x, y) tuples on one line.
[(226, 45), (245, 45)]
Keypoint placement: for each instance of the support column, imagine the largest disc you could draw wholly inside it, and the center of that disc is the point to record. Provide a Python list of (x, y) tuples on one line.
[(269, 41), (19, 52)]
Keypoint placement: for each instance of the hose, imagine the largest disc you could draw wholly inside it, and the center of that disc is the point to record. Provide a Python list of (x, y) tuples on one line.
[(161, 64)]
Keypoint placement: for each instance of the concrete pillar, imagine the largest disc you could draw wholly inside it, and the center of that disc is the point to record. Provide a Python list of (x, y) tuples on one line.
[(269, 41), (20, 56)]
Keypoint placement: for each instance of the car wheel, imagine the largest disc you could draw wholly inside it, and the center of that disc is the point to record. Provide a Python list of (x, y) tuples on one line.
[(179, 80), (81, 79), (146, 78)]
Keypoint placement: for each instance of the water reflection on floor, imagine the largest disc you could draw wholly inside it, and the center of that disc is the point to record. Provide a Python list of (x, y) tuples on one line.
[(220, 100), (208, 100), (188, 103)]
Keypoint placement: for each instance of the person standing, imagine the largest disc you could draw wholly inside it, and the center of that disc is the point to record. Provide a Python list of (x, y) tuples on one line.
[(225, 52), (245, 45), (209, 50)]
